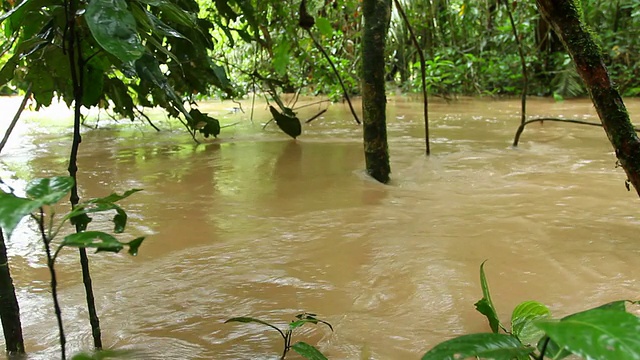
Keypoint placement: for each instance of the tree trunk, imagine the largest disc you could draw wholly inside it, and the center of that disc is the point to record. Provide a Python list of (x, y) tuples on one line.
[(9, 309), (377, 14), (564, 17)]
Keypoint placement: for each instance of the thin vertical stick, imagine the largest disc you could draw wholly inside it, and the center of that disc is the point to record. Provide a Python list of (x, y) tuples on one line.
[(26, 97), (423, 73)]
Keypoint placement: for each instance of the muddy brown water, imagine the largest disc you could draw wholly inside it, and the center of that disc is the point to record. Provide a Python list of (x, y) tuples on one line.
[(254, 223)]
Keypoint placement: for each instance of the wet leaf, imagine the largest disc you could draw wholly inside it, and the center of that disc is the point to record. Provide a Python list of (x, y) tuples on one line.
[(597, 334), (522, 319), (246, 319), (114, 28), (204, 123), (93, 86), (49, 191), (134, 245), (99, 240), (287, 123), (13, 209), (555, 351), (484, 346), (115, 197), (485, 305), (307, 351)]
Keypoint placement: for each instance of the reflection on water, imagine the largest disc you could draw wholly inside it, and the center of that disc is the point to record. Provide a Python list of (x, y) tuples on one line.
[(257, 224)]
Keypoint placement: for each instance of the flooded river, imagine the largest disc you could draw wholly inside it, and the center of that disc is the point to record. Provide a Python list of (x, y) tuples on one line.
[(254, 223)]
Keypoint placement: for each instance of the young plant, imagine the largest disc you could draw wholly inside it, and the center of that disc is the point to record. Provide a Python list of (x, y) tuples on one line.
[(302, 348), (43, 194), (606, 332)]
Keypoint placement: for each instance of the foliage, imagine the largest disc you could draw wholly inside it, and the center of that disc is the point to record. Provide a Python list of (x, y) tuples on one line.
[(47, 192), (302, 348), (606, 332), (145, 53)]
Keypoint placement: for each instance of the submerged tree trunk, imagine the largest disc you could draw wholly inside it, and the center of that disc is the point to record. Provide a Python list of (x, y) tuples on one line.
[(377, 14), (564, 17), (9, 309)]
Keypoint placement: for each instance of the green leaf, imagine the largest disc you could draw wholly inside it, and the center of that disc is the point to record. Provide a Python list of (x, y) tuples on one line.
[(597, 334), (485, 346), (134, 245), (114, 197), (324, 26), (6, 15), (246, 319), (114, 28), (485, 305), (555, 351), (281, 55), (522, 319), (163, 28), (307, 351), (49, 191), (173, 12), (13, 209), (204, 123), (93, 239), (287, 123), (93, 86)]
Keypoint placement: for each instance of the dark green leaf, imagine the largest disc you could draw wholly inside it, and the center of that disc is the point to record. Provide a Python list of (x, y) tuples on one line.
[(173, 12), (115, 197), (93, 86), (14, 10), (93, 239), (225, 10), (134, 245), (49, 190), (522, 321), (484, 346), (485, 305), (204, 123), (13, 209), (246, 319), (289, 124), (324, 26), (163, 28), (80, 219), (597, 334), (114, 28), (221, 75), (552, 350), (307, 351)]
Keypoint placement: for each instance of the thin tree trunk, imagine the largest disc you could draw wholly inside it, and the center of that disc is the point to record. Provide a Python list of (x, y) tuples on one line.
[(564, 17), (76, 64), (377, 15), (9, 309), (16, 117)]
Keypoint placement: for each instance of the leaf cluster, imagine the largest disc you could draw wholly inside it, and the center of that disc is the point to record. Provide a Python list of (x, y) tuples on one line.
[(605, 332), (47, 192)]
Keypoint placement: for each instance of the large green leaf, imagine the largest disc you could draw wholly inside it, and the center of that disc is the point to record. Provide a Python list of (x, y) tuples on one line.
[(290, 124), (485, 305), (93, 239), (522, 319), (307, 351), (13, 209), (597, 334), (557, 352), (281, 56), (49, 191), (324, 25), (114, 28), (484, 346)]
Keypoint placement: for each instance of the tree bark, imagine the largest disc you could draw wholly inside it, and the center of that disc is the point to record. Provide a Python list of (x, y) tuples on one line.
[(377, 15), (564, 17), (9, 309)]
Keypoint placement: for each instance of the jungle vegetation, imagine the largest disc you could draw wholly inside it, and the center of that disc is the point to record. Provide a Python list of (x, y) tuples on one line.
[(123, 56)]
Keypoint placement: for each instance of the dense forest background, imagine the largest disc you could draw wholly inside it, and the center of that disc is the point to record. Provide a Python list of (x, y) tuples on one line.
[(469, 47)]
